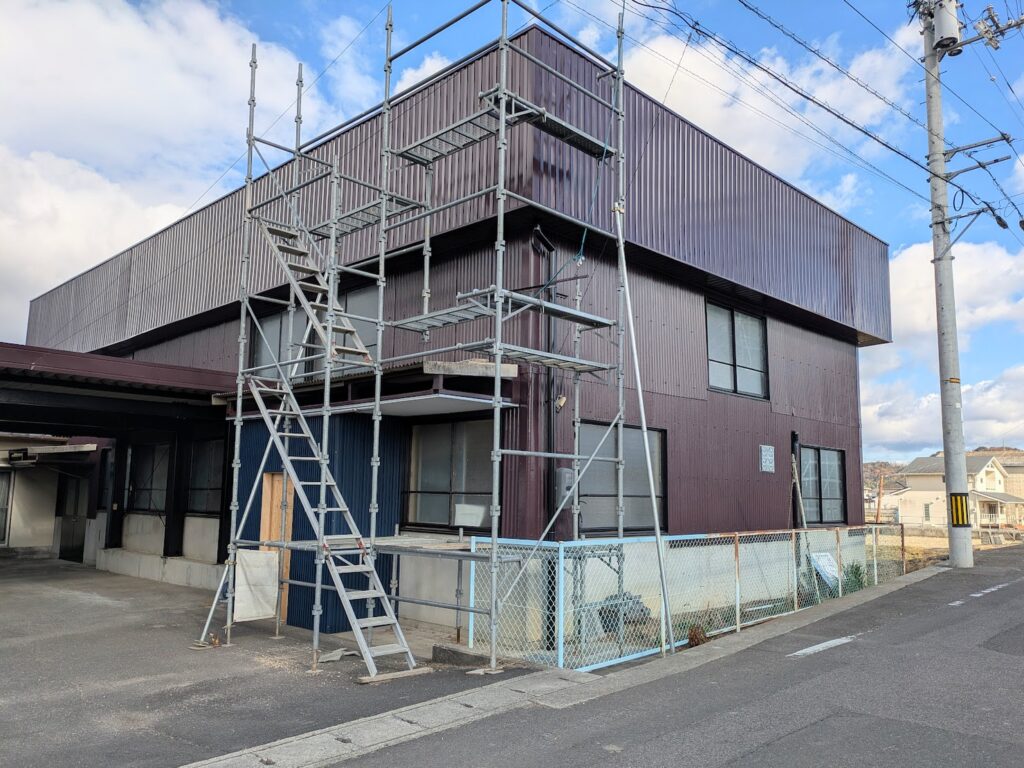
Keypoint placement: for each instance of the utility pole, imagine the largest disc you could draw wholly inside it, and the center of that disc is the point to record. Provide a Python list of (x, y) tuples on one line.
[(941, 32)]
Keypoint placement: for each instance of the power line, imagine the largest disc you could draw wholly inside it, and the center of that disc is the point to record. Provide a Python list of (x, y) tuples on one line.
[(845, 153), (277, 119), (700, 29), (838, 67), (917, 61)]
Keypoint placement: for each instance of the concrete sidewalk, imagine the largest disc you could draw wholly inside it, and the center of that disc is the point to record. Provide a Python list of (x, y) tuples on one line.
[(97, 671)]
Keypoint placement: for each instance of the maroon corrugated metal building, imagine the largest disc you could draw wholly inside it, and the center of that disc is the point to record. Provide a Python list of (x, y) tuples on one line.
[(751, 300)]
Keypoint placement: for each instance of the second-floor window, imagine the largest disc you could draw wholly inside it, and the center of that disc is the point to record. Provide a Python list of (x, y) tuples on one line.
[(737, 352)]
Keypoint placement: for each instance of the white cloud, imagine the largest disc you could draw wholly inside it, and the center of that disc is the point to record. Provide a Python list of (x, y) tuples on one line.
[(57, 218), (126, 115), (148, 93), (989, 288), (900, 423), (752, 112), (354, 80), (845, 195), (432, 62)]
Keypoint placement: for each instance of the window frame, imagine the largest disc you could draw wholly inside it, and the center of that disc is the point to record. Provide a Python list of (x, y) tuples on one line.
[(734, 364), (6, 502), (133, 489), (821, 522), (219, 487), (408, 492), (663, 497)]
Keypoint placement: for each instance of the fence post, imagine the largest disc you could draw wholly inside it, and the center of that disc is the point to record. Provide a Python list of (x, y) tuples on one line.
[(796, 572), (560, 605), (839, 563), (903, 548), (874, 550), (472, 593), (736, 558)]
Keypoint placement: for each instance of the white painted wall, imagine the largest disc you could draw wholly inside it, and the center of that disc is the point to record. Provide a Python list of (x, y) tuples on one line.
[(33, 508), (143, 533), (95, 537), (200, 541), (430, 579)]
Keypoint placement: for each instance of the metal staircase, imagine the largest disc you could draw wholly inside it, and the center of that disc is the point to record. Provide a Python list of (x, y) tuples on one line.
[(330, 347)]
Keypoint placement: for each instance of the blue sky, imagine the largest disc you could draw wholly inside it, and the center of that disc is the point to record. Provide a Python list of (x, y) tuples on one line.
[(127, 115)]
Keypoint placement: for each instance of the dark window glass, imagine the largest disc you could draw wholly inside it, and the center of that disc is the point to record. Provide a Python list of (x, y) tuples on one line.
[(147, 477), (822, 484), (450, 477), (5, 502), (105, 488), (598, 487), (737, 352), (206, 474)]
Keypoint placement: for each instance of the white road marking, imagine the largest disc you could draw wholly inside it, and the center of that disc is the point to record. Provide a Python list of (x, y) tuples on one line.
[(982, 593), (824, 646)]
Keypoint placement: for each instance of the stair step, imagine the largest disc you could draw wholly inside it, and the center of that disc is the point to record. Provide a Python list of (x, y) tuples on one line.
[(306, 269), (282, 232), (375, 621), (350, 351), (363, 594), (354, 568), (339, 539), (294, 250), (387, 650)]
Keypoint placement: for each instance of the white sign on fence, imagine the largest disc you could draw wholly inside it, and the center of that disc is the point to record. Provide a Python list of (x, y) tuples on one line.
[(767, 458), (826, 567)]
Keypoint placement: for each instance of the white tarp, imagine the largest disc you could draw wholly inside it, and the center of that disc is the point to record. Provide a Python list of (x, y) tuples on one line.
[(255, 585)]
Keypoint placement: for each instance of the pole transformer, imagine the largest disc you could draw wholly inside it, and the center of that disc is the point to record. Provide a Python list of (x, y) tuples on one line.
[(961, 552)]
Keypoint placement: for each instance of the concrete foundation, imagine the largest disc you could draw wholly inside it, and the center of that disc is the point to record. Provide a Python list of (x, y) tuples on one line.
[(171, 570)]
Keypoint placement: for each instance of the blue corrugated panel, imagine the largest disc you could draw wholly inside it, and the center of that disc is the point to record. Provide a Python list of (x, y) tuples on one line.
[(351, 443)]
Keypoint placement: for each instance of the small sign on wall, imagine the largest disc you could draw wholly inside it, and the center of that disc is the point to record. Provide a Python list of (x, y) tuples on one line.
[(767, 458)]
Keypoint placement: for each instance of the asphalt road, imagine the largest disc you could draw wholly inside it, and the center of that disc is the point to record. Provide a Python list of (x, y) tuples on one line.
[(930, 675), (96, 670)]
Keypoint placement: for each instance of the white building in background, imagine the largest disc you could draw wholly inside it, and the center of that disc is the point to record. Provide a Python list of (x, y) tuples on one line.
[(922, 502)]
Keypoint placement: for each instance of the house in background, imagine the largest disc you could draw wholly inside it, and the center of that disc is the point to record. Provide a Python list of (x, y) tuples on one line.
[(889, 510), (923, 501), (752, 300)]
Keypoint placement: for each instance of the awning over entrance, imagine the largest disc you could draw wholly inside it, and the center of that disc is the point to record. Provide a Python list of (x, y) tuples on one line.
[(56, 392)]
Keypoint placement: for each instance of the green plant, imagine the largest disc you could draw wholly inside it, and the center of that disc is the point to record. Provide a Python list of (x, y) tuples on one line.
[(853, 577)]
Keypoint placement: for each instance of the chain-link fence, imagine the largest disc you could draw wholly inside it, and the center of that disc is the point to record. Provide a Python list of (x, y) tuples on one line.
[(591, 603)]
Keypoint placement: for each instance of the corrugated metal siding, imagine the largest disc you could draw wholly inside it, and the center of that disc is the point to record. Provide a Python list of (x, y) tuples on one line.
[(698, 201), (213, 348), (712, 438), (351, 438), (694, 200), (192, 266)]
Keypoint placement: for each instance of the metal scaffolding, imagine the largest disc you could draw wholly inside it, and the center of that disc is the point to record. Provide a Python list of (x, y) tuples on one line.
[(311, 251)]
